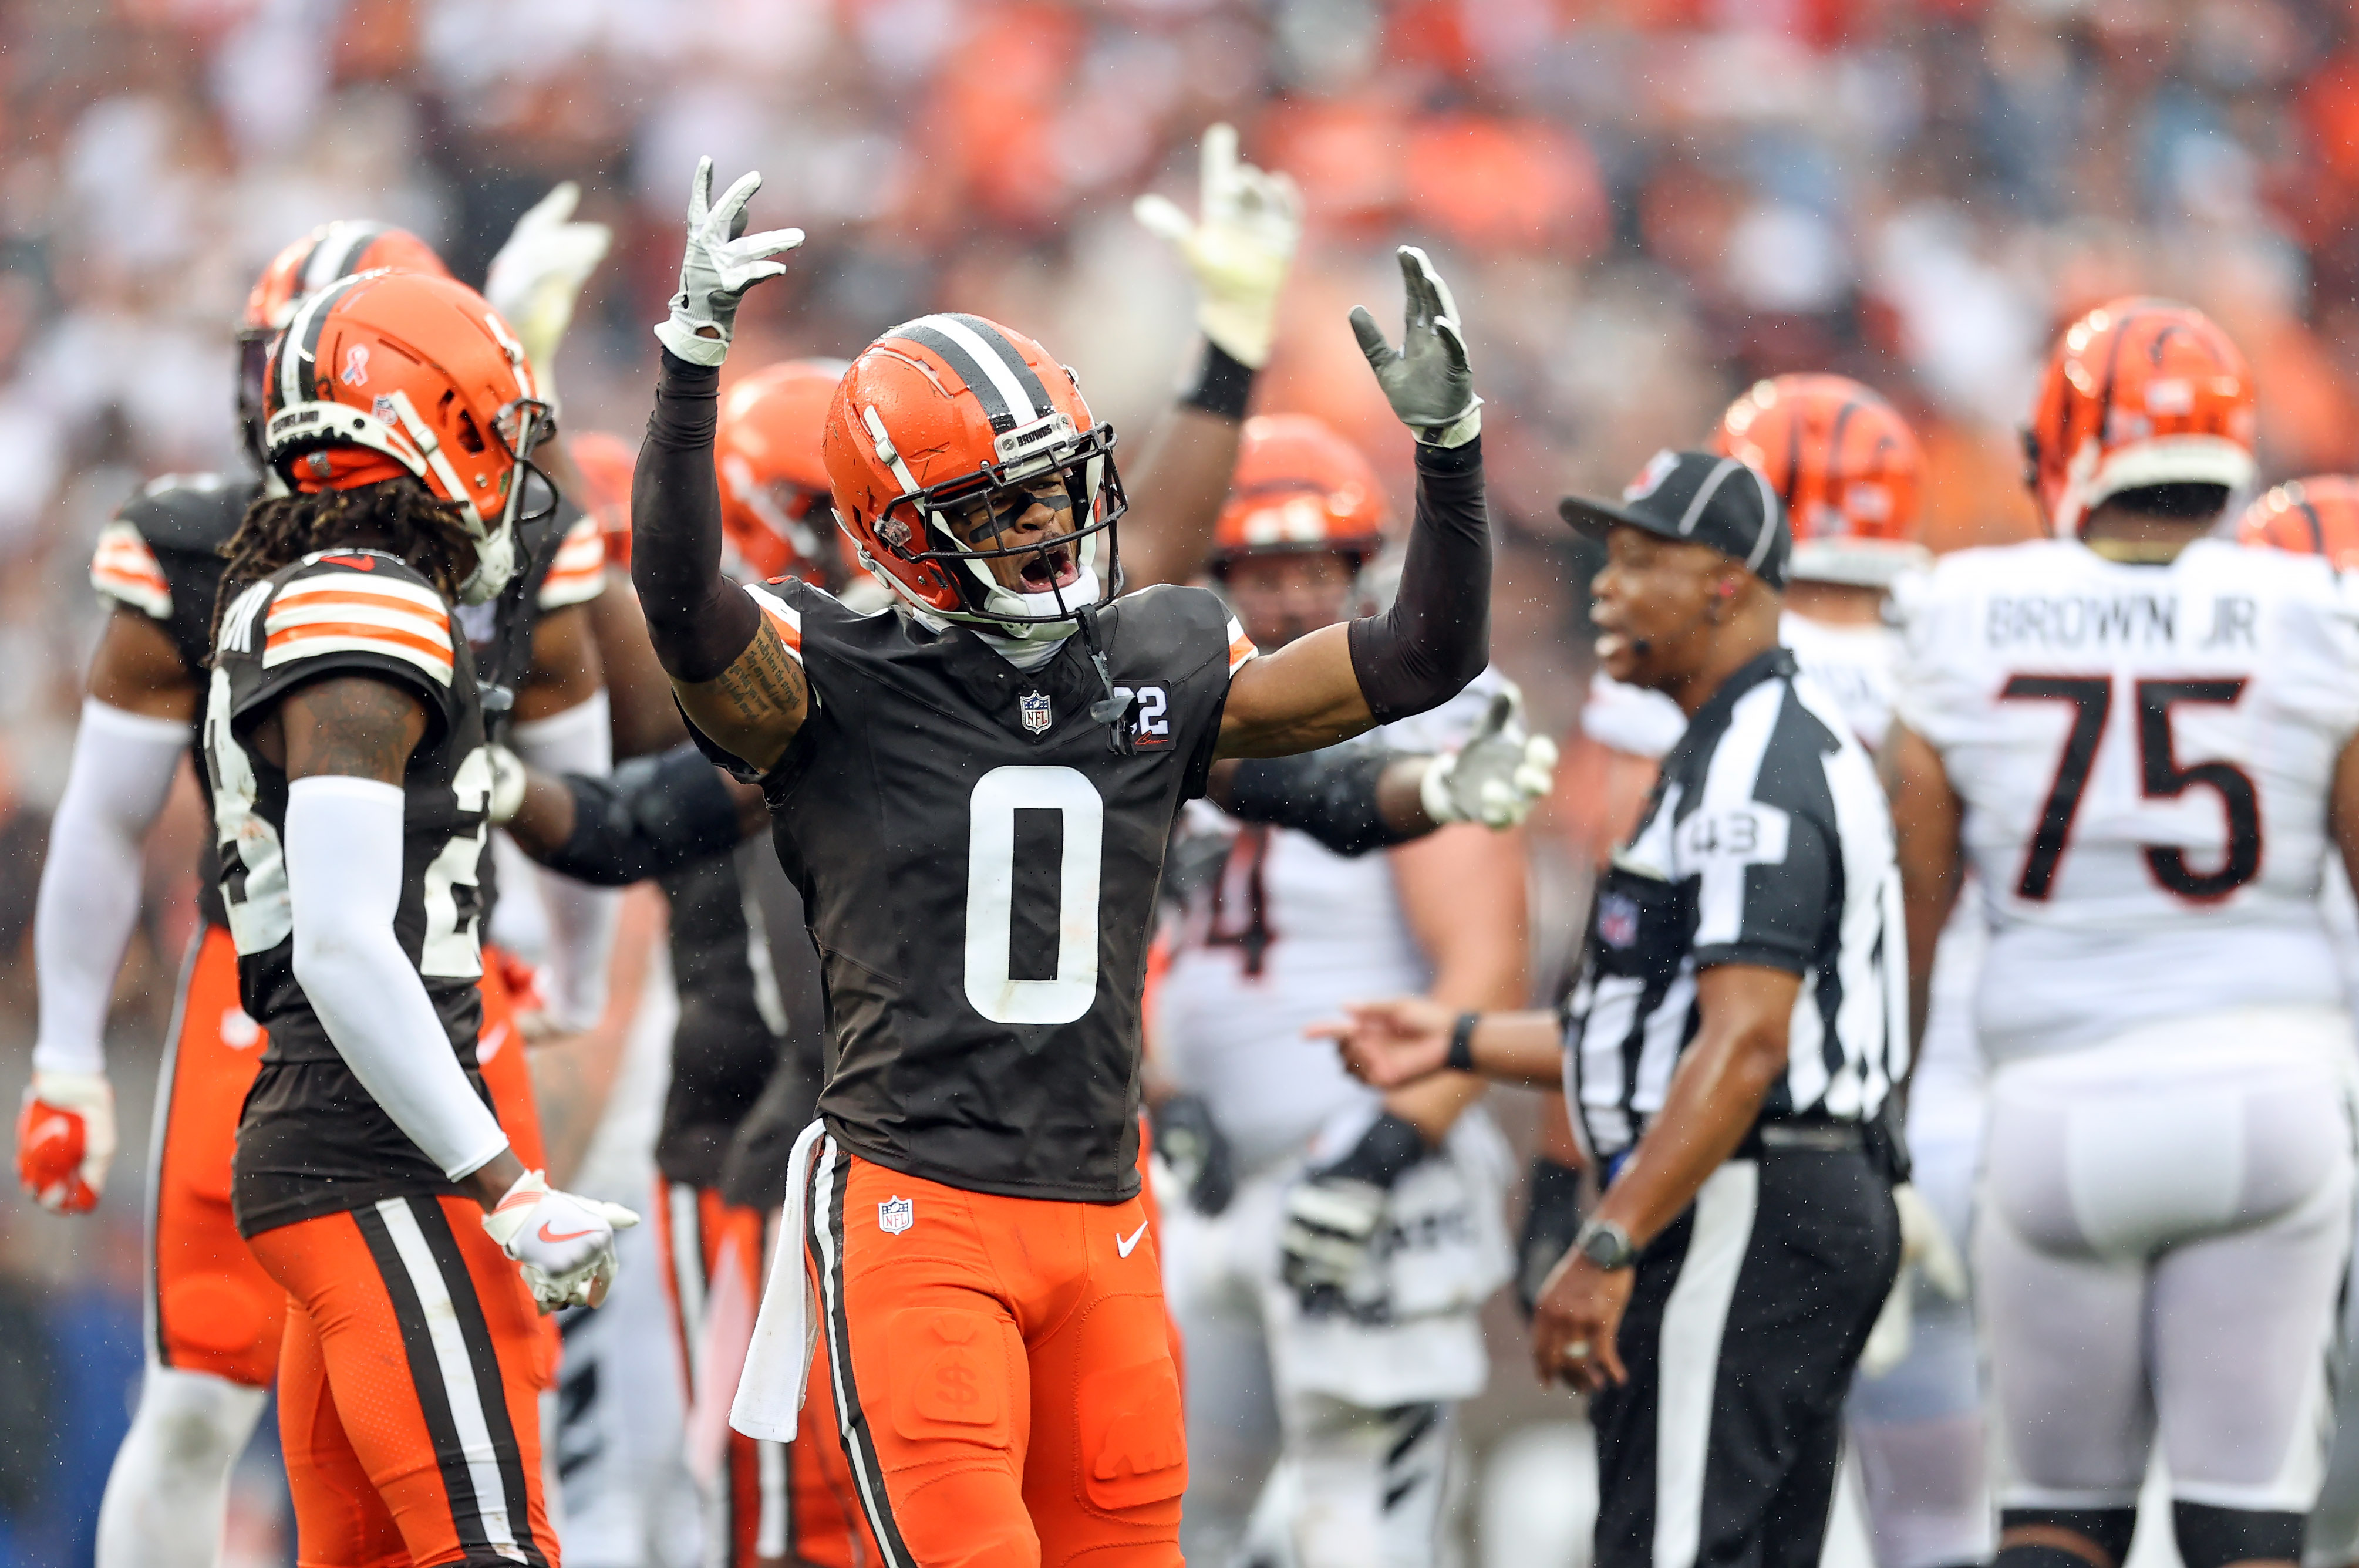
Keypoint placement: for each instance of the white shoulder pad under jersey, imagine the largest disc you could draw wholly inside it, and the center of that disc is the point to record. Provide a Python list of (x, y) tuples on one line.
[(2144, 753)]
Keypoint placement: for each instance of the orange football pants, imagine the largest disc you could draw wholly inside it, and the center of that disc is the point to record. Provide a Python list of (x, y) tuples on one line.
[(211, 1307), (1001, 1369), (776, 1499), (408, 1389)]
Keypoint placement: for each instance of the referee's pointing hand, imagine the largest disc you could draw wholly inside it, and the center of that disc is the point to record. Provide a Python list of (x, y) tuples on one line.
[(1386, 1044), (1574, 1326)]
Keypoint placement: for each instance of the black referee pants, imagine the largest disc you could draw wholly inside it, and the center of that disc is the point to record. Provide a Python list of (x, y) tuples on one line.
[(1745, 1321)]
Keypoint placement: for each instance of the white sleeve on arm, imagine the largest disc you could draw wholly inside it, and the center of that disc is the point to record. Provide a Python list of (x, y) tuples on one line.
[(343, 882), (581, 918), (122, 771)]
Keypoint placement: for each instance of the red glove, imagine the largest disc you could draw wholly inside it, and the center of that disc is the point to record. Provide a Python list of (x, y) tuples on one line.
[(65, 1136)]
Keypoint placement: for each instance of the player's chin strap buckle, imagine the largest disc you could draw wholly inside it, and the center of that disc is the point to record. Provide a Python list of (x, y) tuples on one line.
[(1111, 709)]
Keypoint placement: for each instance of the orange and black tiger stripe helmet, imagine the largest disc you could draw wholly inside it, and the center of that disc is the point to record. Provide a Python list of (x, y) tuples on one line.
[(1847, 466), (2317, 516)]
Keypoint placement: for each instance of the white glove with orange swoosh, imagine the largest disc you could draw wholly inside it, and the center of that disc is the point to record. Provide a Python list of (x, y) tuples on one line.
[(566, 1242)]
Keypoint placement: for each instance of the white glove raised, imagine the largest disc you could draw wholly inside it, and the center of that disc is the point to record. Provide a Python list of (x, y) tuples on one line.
[(1497, 776), (507, 786), (720, 263), (565, 1243), (1926, 1250), (1426, 379), (539, 273), (1239, 245), (65, 1136)]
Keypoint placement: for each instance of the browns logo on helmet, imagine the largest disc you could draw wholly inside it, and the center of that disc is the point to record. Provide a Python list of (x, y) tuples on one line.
[(392, 372), (1848, 467), (774, 510), (333, 251), (932, 428), (2317, 516), (2140, 395), (1299, 486)]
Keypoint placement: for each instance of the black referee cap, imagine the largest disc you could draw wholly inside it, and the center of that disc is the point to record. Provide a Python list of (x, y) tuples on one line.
[(1699, 497)]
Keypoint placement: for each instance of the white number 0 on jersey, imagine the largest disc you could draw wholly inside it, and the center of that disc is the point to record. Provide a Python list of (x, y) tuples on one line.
[(991, 895)]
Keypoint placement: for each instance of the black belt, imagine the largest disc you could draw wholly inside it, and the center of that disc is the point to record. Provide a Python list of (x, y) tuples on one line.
[(1801, 1138)]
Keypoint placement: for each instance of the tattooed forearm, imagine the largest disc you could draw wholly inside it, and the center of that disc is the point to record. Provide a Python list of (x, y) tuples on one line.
[(754, 707), (355, 725)]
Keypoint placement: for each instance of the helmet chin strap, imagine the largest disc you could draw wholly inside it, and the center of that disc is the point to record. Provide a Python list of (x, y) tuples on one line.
[(495, 565)]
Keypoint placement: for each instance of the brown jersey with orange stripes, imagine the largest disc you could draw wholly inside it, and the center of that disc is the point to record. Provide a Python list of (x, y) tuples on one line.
[(978, 859), (312, 1141)]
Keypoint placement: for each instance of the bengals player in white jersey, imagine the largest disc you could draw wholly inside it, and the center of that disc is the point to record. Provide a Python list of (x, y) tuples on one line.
[(2319, 516), (2139, 739), (215, 1319), (1850, 471), (1328, 1304)]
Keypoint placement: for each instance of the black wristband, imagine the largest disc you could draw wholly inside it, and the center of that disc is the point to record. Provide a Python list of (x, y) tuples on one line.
[(1330, 794), (1461, 1043), (1223, 384)]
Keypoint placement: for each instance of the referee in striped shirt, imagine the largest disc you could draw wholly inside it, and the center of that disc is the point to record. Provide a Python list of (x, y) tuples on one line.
[(1736, 1030)]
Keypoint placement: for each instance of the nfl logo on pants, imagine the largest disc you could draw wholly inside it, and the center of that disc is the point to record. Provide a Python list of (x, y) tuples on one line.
[(1034, 706), (895, 1216)]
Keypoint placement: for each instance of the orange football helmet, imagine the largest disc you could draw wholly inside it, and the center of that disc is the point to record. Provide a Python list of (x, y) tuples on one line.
[(2318, 516), (395, 373), (1299, 486), (774, 510), (938, 417), (1848, 468), (2138, 392), (328, 253)]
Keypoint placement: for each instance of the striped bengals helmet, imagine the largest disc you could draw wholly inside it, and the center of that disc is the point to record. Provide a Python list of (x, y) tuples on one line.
[(394, 372), (1847, 467), (1299, 486), (2138, 392), (774, 510), (2318, 516), (328, 253), (932, 420)]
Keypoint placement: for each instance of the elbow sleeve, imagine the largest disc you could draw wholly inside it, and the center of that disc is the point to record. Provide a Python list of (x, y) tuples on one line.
[(652, 815), (1329, 794), (697, 619), (1436, 636), (90, 893), (344, 885), (581, 919)]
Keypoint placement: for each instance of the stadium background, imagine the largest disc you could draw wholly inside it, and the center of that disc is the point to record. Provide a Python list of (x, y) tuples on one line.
[(1643, 205)]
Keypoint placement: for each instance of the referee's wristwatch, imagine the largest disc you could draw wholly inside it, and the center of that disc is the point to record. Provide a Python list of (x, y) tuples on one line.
[(1606, 1245)]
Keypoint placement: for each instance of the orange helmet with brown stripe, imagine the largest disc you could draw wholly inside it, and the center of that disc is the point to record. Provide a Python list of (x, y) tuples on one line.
[(2139, 393), (935, 430), (1848, 467), (329, 252), (2317, 516), (1299, 486), (389, 373), (773, 505)]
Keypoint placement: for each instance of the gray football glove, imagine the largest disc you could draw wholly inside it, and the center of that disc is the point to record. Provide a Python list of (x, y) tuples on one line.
[(1335, 1213), (721, 262), (1497, 776), (1426, 379)]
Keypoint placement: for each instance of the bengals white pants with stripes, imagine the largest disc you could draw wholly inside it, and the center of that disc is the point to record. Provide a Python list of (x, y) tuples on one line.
[(2161, 1249), (409, 1385), (1745, 1321)]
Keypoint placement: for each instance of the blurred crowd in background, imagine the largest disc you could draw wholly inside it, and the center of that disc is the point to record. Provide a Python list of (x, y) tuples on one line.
[(1643, 205)]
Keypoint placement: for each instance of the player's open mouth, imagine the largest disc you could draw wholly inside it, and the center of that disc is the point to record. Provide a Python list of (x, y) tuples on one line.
[(1052, 568)]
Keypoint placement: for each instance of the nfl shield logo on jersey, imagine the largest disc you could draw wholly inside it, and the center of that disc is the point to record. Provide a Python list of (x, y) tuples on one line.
[(1034, 706), (1617, 920), (895, 1216)]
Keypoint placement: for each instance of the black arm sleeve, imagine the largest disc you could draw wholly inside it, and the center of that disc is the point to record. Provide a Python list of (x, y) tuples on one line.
[(1436, 637), (697, 618), (1329, 794), (652, 814)]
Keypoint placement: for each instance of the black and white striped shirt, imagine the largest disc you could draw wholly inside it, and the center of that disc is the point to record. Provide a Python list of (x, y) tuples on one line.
[(1767, 841)]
